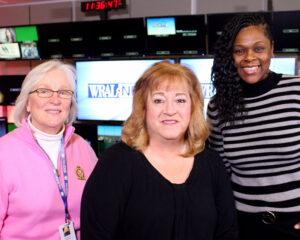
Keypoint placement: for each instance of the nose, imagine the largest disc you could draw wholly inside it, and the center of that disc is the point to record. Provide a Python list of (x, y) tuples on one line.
[(170, 108), (55, 98), (249, 55)]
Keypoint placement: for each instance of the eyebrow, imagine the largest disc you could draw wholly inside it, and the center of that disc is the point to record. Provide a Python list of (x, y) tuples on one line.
[(162, 93), (48, 87), (242, 45)]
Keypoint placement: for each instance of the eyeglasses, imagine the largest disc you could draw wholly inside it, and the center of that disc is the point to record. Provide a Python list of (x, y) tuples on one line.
[(47, 93)]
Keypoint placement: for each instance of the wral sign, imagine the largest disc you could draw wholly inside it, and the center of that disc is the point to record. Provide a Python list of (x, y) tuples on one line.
[(117, 90)]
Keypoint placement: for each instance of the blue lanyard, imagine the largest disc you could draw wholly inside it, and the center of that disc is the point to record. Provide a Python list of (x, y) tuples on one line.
[(63, 194)]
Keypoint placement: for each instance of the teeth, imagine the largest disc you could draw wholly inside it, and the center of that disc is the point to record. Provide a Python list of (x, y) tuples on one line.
[(170, 121), (53, 111), (250, 69)]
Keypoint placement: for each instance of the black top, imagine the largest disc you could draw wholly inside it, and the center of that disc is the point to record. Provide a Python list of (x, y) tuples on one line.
[(261, 87), (127, 198)]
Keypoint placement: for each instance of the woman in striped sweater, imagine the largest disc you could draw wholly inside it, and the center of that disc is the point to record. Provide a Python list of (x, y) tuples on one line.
[(255, 127)]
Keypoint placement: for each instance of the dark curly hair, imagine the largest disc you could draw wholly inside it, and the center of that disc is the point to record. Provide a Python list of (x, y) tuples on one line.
[(228, 99)]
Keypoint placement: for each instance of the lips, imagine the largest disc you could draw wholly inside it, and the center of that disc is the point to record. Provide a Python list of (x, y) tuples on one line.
[(169, 121), (250, 70), (53, 111)]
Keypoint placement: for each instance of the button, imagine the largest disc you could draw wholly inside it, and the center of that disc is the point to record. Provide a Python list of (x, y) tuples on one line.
[(268, 217)]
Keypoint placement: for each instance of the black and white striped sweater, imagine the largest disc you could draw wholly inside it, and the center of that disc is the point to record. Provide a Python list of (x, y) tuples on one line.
[(262, 153)]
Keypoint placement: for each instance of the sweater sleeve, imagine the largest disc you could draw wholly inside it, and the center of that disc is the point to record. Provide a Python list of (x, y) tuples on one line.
[(8, 177), (215, 139), (227, 220), (4, 193), (105, 194)]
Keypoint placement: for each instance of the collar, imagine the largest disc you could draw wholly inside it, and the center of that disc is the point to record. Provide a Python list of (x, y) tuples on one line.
[(40, 135), (69, 130), (261, 87)]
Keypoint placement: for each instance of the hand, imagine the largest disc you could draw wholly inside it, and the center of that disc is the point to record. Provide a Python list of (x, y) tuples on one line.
[(297, 226)]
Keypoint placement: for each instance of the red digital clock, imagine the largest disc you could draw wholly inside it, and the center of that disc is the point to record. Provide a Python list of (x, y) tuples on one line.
[(102, 5)]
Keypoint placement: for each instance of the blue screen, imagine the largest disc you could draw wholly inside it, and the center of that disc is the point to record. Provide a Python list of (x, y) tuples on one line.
[(105, 88), (3, 126), (286, 65), (161, 26), (110, 131), (202, 69)]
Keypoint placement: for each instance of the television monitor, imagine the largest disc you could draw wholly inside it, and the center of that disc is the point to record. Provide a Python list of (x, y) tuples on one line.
[(181, 35), (53, 40), (132, 35), (105, 87), (2, 111), (9, 51), (28, 39), (287, 31), (3, 126), (10, 109), (26, 33), (217, 21), (29, 50), (10, 87), (161, 26), (284, 64), (202, 69), (109, 131), (78, 40), (8, 35), (11, 127), (107, 136), (119, 37)]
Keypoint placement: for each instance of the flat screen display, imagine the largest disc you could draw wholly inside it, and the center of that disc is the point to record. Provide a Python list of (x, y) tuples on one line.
[(285, 65), (105, 88), (10, 109), (29, 50), (118, 37), (8, 35), (287, 31), (53, 38), (9, 51), (26, 33), (184, 35), (78, 35), (215, 25), (10, 87), (109, 131), (3, 126), (2, 111), (202, 69), (161, 26)]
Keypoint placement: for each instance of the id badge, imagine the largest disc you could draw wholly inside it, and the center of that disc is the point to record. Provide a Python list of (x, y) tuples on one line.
[(67, 231)]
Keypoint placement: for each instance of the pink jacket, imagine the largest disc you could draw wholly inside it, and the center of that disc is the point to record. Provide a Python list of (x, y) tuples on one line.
[(30, 203)]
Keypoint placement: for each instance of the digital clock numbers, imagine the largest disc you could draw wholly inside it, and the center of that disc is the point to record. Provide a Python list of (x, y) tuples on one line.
[(102, 5)]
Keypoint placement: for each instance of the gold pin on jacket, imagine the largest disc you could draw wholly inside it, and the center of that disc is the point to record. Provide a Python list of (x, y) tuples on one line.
[(80, 173)]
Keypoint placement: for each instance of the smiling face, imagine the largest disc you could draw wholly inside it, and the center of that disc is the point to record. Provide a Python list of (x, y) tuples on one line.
[(49, 114), (168, 111), (252, 52)]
